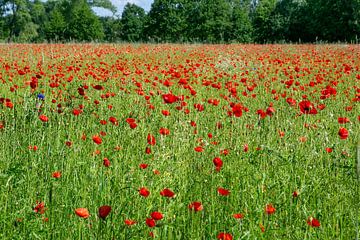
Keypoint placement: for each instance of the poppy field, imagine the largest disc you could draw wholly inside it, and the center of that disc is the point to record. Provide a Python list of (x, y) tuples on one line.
[(179, 141)]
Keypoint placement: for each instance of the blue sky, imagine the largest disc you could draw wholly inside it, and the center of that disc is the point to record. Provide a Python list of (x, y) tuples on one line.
[(145, 4)]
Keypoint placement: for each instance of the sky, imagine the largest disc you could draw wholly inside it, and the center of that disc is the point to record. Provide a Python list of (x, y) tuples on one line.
[(119, 4)]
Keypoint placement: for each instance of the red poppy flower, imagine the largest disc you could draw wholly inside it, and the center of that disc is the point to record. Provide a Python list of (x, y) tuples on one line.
[(223, 191), (169, 98), (218, 163), (82, 212), (224, 236), (237, 110), (77, 112), (164, 131), (329, 150), (165, 113), (150, 222), (238, 215), (343, 120), (40, 207), (291, 102), (144, 192), (132, 125), (246, 147), (156, 216), (269, 209), (167, 193), (151, 139), (43, 118), (343, 133), (199, 149), (147, 150), (113, 120), (104, 211), (270, 111), (106, 162), (143, 165), (56, 174), (307, 107), (97, 139), (196, 206), (313, 222), (295, 194), (129, 222)]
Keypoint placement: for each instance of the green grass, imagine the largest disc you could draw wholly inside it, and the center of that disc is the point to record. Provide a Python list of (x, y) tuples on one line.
[(268, 173)]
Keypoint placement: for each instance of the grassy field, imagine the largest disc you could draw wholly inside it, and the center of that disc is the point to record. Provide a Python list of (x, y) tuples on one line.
[(179, 141)]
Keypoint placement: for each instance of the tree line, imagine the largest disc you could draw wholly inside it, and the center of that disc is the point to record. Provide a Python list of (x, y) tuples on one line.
[(206, 21)]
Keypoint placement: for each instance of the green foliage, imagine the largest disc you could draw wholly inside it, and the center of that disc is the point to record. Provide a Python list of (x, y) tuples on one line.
[(212, 21), (56, 26), (166, 21), (132, 19), (112, 29), (83, 24)]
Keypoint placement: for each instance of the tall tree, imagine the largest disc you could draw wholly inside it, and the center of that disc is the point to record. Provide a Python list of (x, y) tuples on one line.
[(132, 19), (263, 29), (215, 21), (241, 29), (112, 28), (166, 21), (56, 26)]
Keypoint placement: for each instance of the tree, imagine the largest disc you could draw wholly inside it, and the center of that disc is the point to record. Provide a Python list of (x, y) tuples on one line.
[(83, 24), (241, 29), (167, 21), (56, 26), (263, 28), (112, 28), (214, 21), (132, 19)]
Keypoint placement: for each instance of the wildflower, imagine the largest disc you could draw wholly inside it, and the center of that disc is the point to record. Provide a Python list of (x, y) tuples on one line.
[(56, 174), (144, 192), (106, 162), (238, 215), (129, 222), (223, 191), (41, 96), (150, 222), (43, 118), (167, 193), (196, 206), (151, 139), (224, 236), (313, 222), (82, 212), (97, 139), (104, 211), (156, 215), (343, 133), (269, 209)]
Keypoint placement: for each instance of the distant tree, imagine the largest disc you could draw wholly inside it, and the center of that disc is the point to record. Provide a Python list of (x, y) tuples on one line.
[(133, 20), (112, 29), (38, 18), (215, 21), (166, 21), (263, 28), (56, 26), (83, 24), (241, 29)]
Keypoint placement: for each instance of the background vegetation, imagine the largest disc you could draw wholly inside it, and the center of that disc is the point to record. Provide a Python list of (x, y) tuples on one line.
[(208, 21)]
